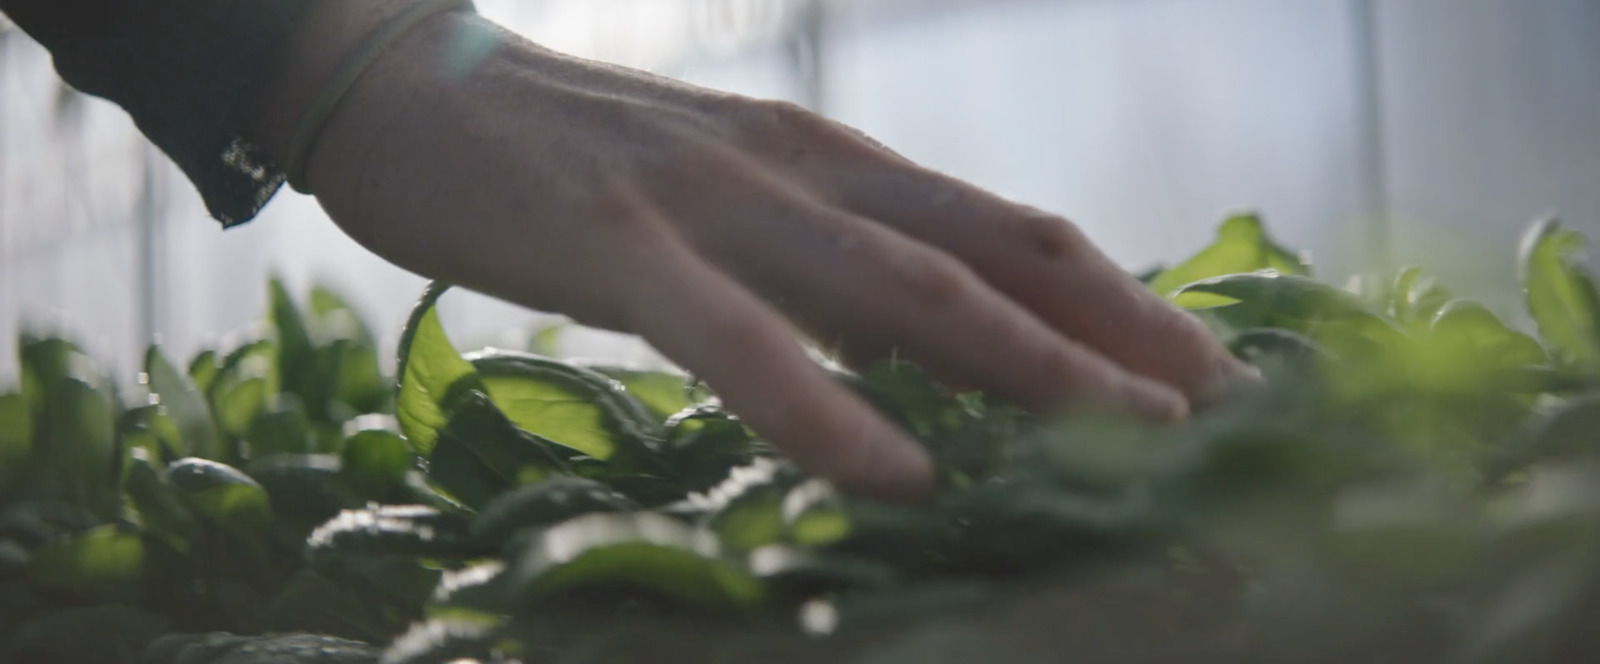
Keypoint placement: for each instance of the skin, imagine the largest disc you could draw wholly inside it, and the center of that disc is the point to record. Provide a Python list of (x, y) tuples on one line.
[(717, 226)]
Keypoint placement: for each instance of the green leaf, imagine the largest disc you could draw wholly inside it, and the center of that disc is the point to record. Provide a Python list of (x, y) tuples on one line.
[(640, 551), (150, 428), (804, 573), (222, 494), (296, 366), (747, 509), (754, 519), (82, 445), (1561, 293), (1268, 344), (1472, 330), (1566, 433), (101, 562), (119, 633), (705, 443), (1242, 245), (162, 511), (375, 463), (663, 393), (1287, 298), (203, 370), (1400, 293), (335, 318), (487, 454), (311, 602), (245, 384), (543, 504), (238, 405), (16, 432), (302, 488), (455, 471), (356, 379), (46, 363), (429, 369), (184, 404), (282, 429), (904, 391), (815, 514), (576, 408), (392, 530), (1338, 320)]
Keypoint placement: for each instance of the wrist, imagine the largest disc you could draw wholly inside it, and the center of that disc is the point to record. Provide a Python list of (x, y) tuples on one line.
[(314, 68)]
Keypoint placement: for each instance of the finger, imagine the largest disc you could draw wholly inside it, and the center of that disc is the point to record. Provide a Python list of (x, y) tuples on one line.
[(870, 290), (1049, 266), (722, 333)]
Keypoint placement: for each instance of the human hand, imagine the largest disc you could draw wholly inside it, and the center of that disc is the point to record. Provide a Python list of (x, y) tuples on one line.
[(712, 225)]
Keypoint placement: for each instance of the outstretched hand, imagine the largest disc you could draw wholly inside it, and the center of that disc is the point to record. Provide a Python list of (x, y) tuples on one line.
[(716, 226)]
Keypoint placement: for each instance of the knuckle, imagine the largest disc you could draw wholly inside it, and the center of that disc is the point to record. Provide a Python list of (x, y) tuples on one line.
[(1048, 236), (932, 281)]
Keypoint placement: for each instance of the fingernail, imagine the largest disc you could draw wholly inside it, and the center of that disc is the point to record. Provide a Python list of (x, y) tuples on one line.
[(1155, 401)]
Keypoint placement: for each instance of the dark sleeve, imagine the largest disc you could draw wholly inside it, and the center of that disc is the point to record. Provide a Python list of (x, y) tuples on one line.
[(180, 68)]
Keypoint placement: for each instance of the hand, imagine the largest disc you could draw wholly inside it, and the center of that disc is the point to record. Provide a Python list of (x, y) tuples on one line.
[(713, 224)]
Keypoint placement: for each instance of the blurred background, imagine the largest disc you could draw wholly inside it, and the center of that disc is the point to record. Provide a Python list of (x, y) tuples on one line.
[(1370, 132)]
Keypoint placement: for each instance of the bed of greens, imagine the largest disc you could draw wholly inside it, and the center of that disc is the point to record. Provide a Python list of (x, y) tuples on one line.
[(1420, 481)]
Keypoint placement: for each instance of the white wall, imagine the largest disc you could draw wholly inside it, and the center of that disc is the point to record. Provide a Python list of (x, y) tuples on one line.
[(1143, 121), (1491, 117)]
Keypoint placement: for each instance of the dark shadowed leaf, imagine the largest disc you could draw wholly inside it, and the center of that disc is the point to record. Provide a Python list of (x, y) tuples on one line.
[(162, 511), (546, 503), (296, 365), (485, 453), (375, 463), (302, 488), (283, 428), (16, 432), (119, 633), (102, 562)]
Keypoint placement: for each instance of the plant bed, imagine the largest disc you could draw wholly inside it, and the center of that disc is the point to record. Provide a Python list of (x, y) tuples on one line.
[(1418, 482)]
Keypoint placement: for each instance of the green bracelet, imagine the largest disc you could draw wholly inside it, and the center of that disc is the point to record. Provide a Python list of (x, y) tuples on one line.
[(310, 127)]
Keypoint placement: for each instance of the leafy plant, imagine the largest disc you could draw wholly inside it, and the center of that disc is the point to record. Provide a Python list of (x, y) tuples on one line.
[(1417, 483)]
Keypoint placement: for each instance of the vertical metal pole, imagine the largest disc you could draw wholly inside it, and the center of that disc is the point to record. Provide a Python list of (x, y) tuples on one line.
[(1373, 159)]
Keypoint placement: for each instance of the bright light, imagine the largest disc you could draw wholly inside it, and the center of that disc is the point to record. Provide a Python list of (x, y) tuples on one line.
[(648, 34)]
